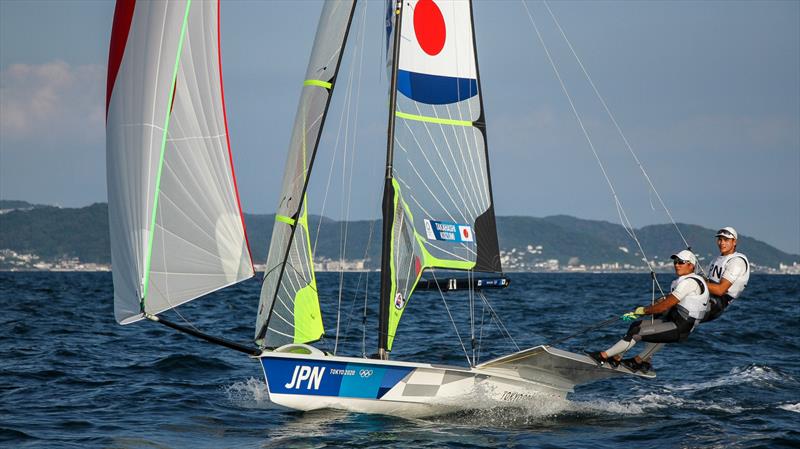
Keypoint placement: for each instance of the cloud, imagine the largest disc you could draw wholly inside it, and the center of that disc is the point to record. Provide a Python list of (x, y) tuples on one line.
[(44, 103)]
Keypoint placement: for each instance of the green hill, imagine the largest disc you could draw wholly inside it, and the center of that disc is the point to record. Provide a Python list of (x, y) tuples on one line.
[(54, 233)]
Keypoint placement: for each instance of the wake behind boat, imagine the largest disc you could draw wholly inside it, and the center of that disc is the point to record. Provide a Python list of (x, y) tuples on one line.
[(177, 229)]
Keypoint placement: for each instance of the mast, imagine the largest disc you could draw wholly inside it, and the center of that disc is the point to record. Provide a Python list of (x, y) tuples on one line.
[(388, 196)]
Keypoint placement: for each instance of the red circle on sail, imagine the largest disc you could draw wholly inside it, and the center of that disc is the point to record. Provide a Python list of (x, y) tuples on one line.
[(465, 231), (429, 27)]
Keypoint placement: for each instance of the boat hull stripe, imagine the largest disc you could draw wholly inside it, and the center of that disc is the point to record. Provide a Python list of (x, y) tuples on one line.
[(329, 378)]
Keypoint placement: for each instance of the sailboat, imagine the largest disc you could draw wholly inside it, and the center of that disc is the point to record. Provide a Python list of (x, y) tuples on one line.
[(178, 232)]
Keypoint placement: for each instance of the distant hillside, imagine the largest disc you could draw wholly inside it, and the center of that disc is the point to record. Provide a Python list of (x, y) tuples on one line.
[(8, 205), (54, 233)]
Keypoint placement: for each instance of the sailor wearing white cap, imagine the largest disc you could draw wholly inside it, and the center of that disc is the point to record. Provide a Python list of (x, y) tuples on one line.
[(678, 314), (727, 275)]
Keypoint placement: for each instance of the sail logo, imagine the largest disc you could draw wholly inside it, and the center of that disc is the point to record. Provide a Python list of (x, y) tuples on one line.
[(437, 58), (312, 376), (448, 232)]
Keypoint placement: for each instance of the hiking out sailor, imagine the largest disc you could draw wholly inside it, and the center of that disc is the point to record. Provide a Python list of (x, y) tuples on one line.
[(727, 275), (675, 316)]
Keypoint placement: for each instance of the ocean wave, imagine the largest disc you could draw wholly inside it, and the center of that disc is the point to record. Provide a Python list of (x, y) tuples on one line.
[(750, 374), (189, 362), (661, 401), (790, 407)]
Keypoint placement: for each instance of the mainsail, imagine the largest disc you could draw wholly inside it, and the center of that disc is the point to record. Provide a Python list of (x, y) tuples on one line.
[(288, 310), (177, 229), (438, 209)]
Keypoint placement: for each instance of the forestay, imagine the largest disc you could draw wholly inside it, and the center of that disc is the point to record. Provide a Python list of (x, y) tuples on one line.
[(289, 311), (442, 212), (177, 230)]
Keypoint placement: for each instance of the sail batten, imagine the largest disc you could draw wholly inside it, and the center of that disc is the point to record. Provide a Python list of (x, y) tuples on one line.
[(176, 224)]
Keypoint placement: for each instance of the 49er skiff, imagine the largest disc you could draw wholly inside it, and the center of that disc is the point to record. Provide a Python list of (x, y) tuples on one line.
[(177, 227)]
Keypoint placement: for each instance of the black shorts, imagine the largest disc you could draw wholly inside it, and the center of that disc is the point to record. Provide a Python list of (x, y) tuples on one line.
[(717, 304)]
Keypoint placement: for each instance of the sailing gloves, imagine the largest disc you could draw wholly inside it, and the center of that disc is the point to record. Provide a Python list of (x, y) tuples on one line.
[(632, 316)]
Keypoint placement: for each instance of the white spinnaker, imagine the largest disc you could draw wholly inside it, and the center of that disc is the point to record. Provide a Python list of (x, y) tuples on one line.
[(288, 310), (194, 242)]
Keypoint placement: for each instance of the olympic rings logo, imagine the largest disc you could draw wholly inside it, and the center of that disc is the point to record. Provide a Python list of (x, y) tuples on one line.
[(365, 373)]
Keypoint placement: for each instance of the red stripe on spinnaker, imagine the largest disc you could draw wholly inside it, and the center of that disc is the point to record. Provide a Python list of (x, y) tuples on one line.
[(228, 140), (123, 17)]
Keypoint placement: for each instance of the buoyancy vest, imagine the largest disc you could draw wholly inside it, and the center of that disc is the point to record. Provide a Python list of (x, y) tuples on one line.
[(716, 271), (693, 305)]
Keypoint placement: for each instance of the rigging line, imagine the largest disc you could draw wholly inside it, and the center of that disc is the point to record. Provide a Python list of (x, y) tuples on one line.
[(497, 319), (347, 96), (616, 124), (344, 169), (480, 336), (591, 327), (471, 314), (480, 186), (620, 209), (433, 273)]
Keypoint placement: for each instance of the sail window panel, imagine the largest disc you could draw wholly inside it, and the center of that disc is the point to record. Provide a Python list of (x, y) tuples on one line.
[(407, 263)]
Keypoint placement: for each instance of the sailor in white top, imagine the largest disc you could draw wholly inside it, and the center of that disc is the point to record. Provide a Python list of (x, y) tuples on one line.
[(677, 314), (727, 275)]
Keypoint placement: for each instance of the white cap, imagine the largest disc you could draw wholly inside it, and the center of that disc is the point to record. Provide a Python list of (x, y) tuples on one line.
[(727, 232), (686, 256)]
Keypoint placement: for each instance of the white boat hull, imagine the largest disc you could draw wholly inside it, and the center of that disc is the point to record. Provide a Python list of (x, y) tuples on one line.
[(317, 381)]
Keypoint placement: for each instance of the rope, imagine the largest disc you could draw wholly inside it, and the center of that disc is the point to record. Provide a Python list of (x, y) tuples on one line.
[(497, 319), (359, 50), (466, 354), (619, 129), (626, 224), (597, 325)]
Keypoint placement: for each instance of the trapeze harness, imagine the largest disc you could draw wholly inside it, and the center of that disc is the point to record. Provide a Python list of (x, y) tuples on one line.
[(715, 274), (676, 324)]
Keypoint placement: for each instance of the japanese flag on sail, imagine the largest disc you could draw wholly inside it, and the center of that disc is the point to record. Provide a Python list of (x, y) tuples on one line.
[(466, 233), (437, 57)]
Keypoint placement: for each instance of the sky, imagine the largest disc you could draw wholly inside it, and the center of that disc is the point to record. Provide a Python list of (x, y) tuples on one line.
[(707, 93)]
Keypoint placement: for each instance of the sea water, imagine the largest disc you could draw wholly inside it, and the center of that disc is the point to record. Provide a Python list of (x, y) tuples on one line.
[(71, 377)]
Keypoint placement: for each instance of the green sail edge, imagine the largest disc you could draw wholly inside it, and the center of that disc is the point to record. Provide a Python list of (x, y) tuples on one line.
[(428, 261)]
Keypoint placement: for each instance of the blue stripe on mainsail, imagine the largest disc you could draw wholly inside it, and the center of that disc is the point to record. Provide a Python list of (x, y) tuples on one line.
[(434, 89)]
